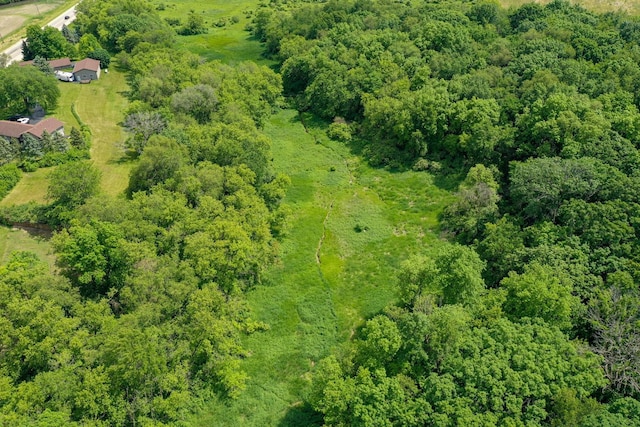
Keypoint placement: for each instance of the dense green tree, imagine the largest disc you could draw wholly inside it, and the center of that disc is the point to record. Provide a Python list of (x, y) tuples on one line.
[(194, 25), (198, 101), (73, 183), (21, 88), (452, 274), (540, 291), (47, 42), (88, 43), (476, 204), (101, 55)]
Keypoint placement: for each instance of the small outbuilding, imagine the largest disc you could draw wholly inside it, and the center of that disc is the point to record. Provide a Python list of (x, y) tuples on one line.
[(86, 70)]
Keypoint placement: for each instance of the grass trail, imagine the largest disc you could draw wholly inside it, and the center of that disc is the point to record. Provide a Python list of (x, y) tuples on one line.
[(350, 227)]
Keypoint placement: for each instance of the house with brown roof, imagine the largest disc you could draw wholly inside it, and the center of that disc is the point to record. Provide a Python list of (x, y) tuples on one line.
[(56, 64), (86, 70), (60, 64), (16, 130)]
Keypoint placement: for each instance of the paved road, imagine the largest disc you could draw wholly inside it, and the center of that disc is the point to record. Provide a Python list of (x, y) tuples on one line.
[(15, 51)]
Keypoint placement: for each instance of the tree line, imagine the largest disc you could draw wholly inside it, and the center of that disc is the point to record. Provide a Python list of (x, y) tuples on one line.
[(143, 320)]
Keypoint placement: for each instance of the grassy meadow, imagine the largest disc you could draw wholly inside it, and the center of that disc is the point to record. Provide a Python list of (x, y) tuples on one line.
[(350, 226), (16, 239), (226, 39)]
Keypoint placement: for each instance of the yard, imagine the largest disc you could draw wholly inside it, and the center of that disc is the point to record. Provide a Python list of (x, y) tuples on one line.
[(101, 106)]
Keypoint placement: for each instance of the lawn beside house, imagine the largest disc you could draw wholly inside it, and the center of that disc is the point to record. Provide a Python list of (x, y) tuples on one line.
[(101, 106)]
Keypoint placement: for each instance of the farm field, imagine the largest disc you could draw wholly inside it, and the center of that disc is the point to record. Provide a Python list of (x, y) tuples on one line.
[(18, 16)]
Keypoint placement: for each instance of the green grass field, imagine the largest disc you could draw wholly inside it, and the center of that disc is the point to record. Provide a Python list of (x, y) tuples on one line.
[(229, 43), (350, 227), (14, 239)]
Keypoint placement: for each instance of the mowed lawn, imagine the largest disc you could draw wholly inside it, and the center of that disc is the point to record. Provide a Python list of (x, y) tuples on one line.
[(101, 106), (14, 239), (350, 228)]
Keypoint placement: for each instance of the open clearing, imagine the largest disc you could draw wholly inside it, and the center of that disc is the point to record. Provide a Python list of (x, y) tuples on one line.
[(15, 239), (350, 227)]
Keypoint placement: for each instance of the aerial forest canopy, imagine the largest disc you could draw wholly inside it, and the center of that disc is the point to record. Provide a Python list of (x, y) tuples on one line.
[(535, 321), (526, 313)]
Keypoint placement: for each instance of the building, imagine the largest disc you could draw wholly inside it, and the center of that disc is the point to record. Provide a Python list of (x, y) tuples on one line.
[(86, 70), (16, 130), (55, 64), (60, 64)]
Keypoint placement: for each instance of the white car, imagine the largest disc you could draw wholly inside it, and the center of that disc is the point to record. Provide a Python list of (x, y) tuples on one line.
[(23, 120)]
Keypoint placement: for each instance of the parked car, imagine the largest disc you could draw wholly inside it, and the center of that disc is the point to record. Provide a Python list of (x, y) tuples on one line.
[(23, 120)]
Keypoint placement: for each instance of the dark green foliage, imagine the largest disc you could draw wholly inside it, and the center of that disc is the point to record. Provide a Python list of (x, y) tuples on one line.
[(21, 88), (161, 159), (70, 185), (101, 55), (194, 25), (42, 64), (47, 43)]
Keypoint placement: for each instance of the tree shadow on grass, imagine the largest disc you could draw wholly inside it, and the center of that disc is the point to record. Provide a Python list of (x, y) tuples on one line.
[(302, 415)]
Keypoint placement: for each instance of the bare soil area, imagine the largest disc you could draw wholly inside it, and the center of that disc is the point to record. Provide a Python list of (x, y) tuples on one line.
[(13, 16)]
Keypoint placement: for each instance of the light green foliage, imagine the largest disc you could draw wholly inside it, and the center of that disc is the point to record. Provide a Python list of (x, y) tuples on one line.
[(87, 44), (194, 25), (72, 184), (94, 256), (451, 273), (161, 158), (476, 205), (540, 292), (197, 101), (9, 177), (495, 373)]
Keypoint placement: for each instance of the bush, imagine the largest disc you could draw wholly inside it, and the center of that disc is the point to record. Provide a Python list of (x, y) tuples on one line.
[(421, 165), (28, 213), (339, 131), (9, 177)]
